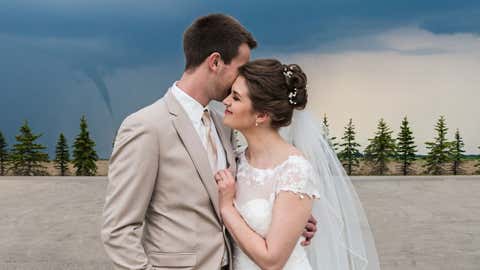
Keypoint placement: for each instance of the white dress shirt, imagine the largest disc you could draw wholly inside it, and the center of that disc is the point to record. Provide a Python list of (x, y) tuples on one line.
[(195, 111)]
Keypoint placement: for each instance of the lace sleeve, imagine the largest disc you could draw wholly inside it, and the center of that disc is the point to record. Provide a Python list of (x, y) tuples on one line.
[(297, 176)]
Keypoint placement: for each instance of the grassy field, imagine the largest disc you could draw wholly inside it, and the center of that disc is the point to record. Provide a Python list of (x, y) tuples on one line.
[(468, 167)]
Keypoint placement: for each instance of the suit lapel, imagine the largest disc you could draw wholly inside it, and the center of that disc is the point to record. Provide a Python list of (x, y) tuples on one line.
[(194, 147)]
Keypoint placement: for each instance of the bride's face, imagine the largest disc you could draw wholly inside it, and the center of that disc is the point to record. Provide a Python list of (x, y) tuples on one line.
[(239, 112)]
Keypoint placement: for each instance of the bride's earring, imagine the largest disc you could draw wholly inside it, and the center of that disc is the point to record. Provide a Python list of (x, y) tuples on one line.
[(256, 124)]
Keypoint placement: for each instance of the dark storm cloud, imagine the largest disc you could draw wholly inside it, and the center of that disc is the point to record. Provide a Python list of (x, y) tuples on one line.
[(61, 42)]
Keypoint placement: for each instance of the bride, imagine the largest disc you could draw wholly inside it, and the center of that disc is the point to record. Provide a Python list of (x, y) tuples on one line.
[(286, 173)]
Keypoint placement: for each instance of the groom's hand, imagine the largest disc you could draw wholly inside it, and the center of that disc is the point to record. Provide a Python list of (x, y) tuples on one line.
[(310, 229)]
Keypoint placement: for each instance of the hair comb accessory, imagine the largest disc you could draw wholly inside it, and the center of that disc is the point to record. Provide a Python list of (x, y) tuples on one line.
[(287, 72), (292, 97)]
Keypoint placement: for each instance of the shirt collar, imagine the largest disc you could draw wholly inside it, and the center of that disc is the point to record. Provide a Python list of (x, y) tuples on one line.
[(193, 108)]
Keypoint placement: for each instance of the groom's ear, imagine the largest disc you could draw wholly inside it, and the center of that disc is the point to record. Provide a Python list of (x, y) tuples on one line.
[(213, 60)]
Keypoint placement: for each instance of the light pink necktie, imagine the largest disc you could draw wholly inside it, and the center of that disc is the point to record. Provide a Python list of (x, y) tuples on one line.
[(211, 147)]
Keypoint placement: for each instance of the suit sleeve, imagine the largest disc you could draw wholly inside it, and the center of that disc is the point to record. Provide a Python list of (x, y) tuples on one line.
[(131, 179)]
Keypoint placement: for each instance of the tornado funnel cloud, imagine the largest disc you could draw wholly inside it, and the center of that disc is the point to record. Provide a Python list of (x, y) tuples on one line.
[(101, 87)]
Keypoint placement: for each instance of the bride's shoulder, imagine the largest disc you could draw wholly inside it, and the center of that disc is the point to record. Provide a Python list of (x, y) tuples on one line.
[(296, 154), (296, 160), (295, 151)]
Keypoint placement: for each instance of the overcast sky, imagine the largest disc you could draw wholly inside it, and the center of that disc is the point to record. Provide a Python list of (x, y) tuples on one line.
[(364, 60)]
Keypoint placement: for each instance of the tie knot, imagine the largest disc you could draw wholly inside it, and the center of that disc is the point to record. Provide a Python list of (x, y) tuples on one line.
[(206, 117)]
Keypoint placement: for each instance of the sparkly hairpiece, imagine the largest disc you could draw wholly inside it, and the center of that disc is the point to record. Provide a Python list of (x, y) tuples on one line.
[(288, 73)]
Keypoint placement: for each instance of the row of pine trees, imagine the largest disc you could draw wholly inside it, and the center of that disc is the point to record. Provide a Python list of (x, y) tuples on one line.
[(27, 158), (444, 156)]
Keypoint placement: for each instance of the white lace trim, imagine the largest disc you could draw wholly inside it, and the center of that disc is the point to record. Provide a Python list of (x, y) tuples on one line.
[(294, 174), (301, 194)]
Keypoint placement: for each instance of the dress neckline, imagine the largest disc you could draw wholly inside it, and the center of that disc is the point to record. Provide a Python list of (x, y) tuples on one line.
[(290, 156)]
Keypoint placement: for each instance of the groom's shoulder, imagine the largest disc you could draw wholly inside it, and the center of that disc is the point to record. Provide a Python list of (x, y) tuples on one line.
[(151, 114)]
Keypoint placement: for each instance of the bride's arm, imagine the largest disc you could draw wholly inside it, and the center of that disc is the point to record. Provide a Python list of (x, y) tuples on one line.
[(290, 213)]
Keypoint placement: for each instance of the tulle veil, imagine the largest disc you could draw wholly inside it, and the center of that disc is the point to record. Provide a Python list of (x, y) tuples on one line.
[(344, 240)]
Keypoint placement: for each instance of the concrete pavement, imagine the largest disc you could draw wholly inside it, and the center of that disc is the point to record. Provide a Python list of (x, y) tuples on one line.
[(419, 222)]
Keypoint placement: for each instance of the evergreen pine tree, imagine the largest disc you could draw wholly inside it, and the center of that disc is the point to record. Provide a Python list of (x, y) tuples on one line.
[(456, 152), (62, 156), (349, 155), (27, 156), (381, 149), (406, 148), (439, 149), (3, 155), (331, 140), (84, 155)]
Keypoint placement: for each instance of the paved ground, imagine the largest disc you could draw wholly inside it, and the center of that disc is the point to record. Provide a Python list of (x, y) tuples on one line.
[(422, 223)]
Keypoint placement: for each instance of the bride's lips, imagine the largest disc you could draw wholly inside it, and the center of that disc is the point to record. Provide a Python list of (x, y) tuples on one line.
[(228, 112)]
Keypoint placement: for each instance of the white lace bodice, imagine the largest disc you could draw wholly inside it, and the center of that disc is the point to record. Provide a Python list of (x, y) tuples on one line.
[(255, 196)]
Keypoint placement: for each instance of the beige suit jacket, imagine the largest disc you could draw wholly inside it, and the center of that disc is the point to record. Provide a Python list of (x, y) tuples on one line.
[(161, 208)]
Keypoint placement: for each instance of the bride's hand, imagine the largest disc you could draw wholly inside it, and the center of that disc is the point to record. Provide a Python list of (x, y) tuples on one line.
[(226, 188)]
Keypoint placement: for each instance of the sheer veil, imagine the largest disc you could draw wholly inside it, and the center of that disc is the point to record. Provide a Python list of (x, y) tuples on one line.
[(343, 240)]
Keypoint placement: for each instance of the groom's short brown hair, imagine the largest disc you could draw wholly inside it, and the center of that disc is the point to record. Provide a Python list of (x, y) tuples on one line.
[(214, 33)]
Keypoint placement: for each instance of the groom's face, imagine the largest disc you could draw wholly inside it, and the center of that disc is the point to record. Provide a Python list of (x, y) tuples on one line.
[(229, 72)]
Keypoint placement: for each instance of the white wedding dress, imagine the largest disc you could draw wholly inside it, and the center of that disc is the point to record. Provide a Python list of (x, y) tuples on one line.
[(255, 196)]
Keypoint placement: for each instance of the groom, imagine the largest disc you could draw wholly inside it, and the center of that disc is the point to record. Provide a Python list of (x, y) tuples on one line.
[(161, 208)]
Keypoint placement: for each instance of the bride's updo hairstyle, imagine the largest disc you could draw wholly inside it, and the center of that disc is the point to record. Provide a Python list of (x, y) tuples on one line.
[(275, 89)]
